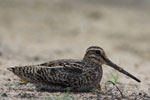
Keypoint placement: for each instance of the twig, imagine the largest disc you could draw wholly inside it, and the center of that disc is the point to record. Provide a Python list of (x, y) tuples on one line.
[(116, 87)]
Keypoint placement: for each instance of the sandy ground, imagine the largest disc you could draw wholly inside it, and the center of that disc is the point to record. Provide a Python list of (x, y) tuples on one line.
[(37, 31)]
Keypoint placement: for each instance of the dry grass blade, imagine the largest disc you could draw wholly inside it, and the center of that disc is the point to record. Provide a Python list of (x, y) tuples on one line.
[(116, 87)]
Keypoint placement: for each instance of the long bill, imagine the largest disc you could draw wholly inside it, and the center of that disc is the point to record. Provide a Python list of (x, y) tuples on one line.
[(111, 64)]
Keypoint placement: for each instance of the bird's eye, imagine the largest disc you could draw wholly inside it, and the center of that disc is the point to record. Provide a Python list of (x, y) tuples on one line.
[(98, 52)]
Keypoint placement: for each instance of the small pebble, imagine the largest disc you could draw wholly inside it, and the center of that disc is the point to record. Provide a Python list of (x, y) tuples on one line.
[(9, 79), (140, 93), (4, 95)]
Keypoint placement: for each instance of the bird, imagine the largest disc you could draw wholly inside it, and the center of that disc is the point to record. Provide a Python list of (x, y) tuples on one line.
[(76, 75)]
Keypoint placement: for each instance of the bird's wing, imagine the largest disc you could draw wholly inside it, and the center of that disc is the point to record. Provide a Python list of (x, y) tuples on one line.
[(56, 75)]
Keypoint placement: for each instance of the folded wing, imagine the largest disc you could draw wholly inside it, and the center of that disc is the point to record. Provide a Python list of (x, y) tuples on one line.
[(40, 74)]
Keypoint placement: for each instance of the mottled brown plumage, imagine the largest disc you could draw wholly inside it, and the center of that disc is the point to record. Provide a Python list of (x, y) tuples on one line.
[(78, 75)]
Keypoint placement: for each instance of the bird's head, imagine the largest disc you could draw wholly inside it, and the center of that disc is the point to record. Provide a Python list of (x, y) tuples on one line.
[(95, 54)]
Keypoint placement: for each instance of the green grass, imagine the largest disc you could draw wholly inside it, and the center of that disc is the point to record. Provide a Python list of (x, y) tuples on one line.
[(114, 76)]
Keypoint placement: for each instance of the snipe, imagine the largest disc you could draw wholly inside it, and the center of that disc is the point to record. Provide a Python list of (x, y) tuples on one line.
[(78, 75)]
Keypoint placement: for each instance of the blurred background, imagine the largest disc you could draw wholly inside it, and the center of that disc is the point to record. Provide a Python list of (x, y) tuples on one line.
[(36, 31)]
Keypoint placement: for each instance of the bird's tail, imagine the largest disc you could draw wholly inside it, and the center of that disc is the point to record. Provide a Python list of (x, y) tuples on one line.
[(19, 71)]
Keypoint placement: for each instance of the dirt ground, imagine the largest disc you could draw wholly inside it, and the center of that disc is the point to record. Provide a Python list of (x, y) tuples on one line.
[(37, 31)]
